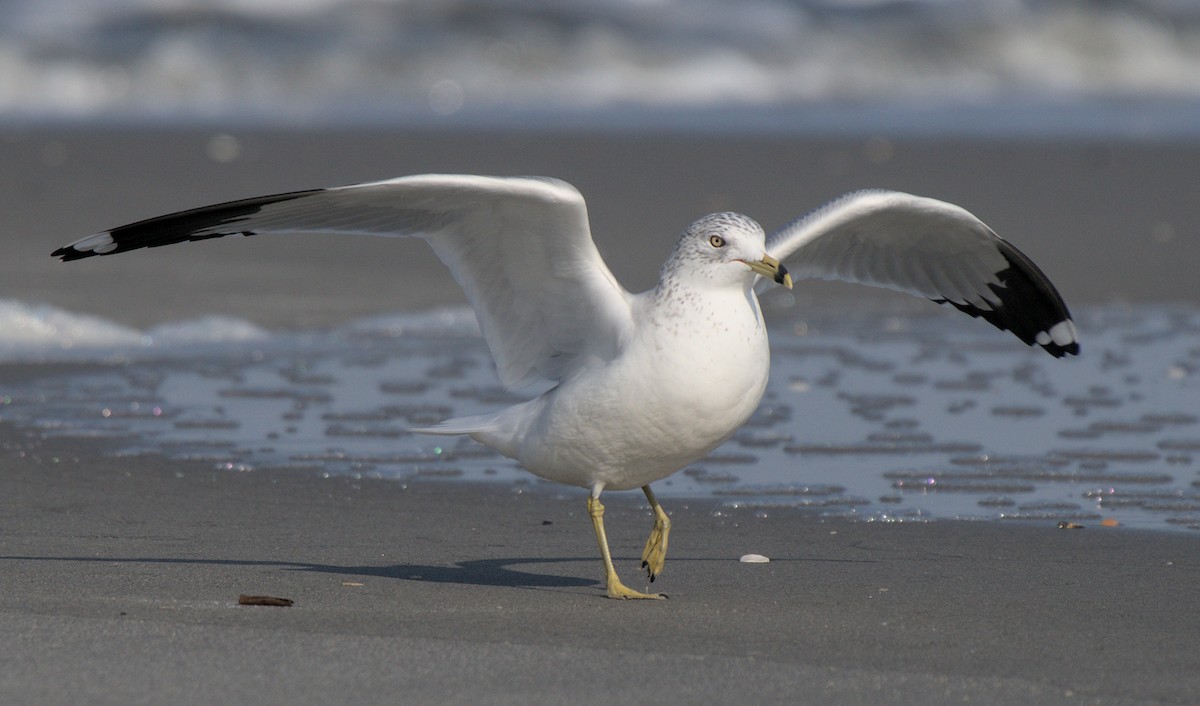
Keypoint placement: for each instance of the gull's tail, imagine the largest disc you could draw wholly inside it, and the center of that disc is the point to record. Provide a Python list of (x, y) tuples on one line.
[(479, 423), (503, 430)]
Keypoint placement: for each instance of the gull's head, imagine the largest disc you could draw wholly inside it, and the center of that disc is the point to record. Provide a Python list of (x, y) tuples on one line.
[(724, 249)]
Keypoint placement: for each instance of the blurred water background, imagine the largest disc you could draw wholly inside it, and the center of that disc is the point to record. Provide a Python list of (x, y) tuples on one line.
[(1125, 67)]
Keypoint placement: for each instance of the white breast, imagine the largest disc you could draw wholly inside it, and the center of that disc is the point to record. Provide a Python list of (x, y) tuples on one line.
[(687, 380)]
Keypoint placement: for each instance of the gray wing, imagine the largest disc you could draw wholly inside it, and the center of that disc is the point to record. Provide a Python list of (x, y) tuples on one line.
[(521, 248), (931, 249)]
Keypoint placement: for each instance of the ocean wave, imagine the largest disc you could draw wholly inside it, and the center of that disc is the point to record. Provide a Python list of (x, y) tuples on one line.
[(328, 59)]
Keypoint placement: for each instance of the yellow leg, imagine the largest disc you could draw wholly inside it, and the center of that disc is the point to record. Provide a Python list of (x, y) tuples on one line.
[(655, 553), (616, 589)]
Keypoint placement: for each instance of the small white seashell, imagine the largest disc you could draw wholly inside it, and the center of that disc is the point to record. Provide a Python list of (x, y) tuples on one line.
[(753, 559)]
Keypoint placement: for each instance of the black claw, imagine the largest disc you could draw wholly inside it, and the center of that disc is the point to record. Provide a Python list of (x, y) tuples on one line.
[(652, 577)]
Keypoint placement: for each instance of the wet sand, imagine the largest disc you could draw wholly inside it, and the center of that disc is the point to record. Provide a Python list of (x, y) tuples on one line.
[(122, 578), (122, 575), (1109, 222)]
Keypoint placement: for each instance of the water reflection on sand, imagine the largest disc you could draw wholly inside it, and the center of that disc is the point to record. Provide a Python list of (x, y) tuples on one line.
[(884, 418)]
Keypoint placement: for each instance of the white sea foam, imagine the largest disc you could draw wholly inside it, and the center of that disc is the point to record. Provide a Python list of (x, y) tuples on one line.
[(35, 332), (442, 321), (38, 329), (208, 329)]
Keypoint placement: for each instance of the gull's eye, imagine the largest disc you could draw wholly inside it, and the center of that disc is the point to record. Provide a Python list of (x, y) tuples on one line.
[(716, 241)]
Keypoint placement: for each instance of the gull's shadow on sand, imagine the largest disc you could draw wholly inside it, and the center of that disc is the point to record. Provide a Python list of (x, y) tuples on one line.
[(477, 572)]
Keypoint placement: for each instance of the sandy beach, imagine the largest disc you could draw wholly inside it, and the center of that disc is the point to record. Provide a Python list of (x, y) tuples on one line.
[(122, 574), (122, 578)]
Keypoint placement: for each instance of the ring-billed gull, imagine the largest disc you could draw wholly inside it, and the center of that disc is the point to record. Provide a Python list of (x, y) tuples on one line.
[(645, 383)]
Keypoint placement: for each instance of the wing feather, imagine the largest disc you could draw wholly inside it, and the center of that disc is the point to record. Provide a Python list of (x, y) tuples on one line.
[(521, 248), (932, 249)]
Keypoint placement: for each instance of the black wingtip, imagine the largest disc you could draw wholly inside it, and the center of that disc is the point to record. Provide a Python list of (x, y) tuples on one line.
[(195, 224), (1058, 351), (69, 253), (1028, 305)]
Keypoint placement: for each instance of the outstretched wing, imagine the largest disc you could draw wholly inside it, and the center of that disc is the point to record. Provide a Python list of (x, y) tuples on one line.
[(520, 247), (932, 249)]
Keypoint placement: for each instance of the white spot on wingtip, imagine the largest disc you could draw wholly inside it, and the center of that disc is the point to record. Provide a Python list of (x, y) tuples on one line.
[(1064, 333), (99, 243), (1061, 334), (754, 559)]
